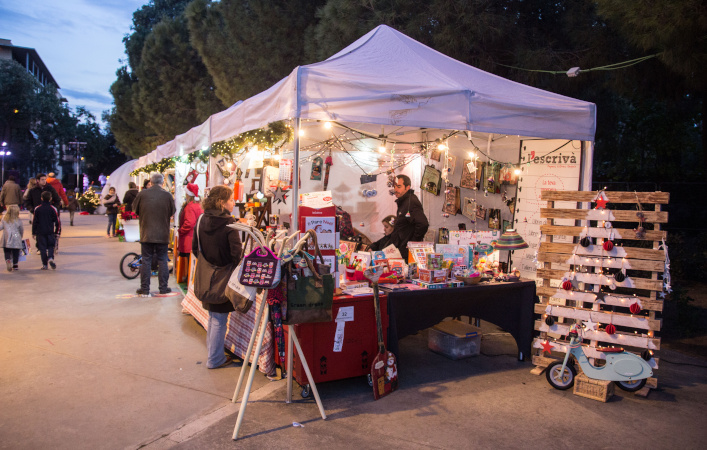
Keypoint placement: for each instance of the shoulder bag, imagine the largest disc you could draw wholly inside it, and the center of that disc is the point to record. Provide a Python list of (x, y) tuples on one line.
[(210, 281)]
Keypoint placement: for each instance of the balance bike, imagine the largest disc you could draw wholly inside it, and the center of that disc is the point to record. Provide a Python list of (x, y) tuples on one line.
[(627, 370)]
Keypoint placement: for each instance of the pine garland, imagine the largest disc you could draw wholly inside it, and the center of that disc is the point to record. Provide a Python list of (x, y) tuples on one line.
[(276, 132)]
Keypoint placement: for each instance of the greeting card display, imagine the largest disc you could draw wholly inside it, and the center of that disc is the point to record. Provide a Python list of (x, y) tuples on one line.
[(469, 175), (452, 201), (431, 180)]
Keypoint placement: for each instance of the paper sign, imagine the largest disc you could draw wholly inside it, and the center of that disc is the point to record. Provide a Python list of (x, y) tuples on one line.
[(339, 336), (345, 314), (316, 199), (325, 227)]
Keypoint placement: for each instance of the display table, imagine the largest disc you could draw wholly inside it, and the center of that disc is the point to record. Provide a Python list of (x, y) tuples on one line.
[(359, 344), (508, 305)]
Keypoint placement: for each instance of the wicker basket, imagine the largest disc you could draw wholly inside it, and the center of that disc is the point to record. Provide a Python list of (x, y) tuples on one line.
[(468, 281), (600, 390)]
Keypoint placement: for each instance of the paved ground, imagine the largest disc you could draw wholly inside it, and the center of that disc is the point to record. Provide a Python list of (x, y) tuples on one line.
[(81, 367)]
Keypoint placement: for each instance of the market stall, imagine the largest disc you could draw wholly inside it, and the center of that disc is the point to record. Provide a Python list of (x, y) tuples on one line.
[(478, 148)]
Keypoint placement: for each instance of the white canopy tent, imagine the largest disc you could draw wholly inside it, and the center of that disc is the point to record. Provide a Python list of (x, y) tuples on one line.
[(388, 85), (120, 178)]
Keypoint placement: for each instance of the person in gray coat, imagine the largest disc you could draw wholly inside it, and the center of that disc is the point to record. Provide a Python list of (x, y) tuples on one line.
[(154, 207), (11, 193)]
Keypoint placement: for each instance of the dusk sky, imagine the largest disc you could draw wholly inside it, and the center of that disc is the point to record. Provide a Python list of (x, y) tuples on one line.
[(80, 42)]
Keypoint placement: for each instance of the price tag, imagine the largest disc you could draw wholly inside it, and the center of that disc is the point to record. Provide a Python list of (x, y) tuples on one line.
[(339, 336), (345, 314)]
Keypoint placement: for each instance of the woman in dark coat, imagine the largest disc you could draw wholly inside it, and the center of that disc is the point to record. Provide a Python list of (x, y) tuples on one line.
[(111, 202), (221, 246)]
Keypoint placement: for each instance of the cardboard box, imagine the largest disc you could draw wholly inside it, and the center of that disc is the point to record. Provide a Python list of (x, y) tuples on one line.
[(432, 276)]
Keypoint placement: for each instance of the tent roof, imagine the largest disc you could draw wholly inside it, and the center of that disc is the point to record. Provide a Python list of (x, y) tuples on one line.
[(387, 78)]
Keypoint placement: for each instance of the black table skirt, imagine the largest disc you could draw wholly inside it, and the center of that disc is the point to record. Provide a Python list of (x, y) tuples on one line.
[(508, 305)]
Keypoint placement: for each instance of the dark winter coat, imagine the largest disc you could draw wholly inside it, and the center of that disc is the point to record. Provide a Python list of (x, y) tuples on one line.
[(34, 198), (112, 207), (220, 245), (410, 222), (155, 207), (381, 243), (129, 198), (46, 220), (10, 194)]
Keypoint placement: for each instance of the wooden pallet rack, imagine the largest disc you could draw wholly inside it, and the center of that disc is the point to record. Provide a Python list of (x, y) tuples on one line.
[(591, 271)]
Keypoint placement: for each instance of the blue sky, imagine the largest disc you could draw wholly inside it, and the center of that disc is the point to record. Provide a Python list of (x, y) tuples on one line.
[(80, 41)]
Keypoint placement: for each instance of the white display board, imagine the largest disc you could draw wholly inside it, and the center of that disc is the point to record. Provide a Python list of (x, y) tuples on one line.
[(547, 165)]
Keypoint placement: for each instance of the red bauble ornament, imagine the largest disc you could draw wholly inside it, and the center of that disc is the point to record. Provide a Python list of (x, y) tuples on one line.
[(635, 308), (567, 285), (610, 329), (608, 246)]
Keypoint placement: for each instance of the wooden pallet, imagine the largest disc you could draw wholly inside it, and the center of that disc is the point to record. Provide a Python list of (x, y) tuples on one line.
[(591, 271)]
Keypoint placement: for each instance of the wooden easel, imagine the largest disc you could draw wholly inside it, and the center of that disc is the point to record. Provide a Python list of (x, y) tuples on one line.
[(261, 322)]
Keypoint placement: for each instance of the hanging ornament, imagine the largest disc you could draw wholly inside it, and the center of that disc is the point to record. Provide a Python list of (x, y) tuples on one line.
[(328, 163), (585, 242), (280, 196), (647, 355), (619, 276), (635, 308), (610, 329), (549, 321), (316, 168), (608, 246), (566, 284), (601, 200)]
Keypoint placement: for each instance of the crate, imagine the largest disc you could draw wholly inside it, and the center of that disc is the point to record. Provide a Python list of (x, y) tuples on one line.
[(587, 387), (455, 339)]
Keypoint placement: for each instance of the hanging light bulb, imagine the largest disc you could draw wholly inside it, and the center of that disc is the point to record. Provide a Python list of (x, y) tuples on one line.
[(301, 132), (442, 147), (327, 125), (516, 171), (382, 148)]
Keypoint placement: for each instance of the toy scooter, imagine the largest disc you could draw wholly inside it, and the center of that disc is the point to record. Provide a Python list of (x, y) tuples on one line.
[(627, 370)]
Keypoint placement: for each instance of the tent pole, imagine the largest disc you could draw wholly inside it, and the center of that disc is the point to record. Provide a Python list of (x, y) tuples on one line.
[(294, 226)]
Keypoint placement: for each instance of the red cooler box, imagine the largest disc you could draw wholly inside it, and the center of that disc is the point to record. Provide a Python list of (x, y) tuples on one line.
[(360, 344)]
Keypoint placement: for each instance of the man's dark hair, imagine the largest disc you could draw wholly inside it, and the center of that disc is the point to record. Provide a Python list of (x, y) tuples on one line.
[(11, 178), (145, 183), (131, 185), (406, 180), (40, 175), (46, 196)]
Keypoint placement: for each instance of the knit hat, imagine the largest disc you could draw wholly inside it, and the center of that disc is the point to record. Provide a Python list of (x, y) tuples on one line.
[(50, 174), (192, 190)]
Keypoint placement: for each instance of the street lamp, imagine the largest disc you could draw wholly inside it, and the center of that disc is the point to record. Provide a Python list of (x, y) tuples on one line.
[(4, 152), (78, 145)]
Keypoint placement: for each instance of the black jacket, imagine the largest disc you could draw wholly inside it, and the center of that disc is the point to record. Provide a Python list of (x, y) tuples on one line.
[(220, 245), (410, 222), (128, 199), (381, 243), (46, 220), (34, 198)]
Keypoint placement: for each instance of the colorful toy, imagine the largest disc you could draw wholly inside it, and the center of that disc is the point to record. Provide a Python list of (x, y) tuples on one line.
[(627, 370)]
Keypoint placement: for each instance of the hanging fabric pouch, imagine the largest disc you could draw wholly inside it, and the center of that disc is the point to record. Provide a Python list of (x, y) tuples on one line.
[(260, 269), (241, 296)]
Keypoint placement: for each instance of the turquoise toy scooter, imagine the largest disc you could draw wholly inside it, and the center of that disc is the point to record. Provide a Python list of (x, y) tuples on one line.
[(627, 370)]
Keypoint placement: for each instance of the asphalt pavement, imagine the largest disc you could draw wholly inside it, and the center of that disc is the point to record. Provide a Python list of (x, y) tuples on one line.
[(85, 365)]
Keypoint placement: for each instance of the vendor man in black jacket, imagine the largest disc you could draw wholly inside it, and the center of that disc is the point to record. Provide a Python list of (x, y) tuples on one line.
[(154, 207), (410, 222)]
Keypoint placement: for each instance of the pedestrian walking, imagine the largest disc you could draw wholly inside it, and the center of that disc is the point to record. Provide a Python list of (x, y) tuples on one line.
[(154, 207), (129, 196), (111, 202), (58, 187), (216, 243), (11, 194), (73, 206), (45, 228), (25, 197), (12, 232)]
